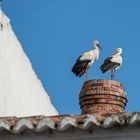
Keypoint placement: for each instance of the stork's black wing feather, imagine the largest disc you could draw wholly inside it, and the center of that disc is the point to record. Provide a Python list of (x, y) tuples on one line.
[(78, 58), (108, 65), (108, 59), (80, 66)]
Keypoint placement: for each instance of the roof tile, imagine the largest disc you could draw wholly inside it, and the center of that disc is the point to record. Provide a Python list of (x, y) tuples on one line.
[(62, 123)]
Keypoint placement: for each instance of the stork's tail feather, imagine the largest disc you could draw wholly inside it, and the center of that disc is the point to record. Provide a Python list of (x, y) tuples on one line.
[(103, 68), (80, 67)]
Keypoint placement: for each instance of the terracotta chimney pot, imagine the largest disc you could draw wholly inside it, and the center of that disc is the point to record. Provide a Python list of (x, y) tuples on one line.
[(102, 96)]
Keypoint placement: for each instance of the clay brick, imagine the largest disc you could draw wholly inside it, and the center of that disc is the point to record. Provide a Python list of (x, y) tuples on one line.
[(102, 96)]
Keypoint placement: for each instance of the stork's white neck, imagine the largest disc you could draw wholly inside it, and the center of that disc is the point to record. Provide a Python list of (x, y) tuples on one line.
[(96, 52), (96, 47)]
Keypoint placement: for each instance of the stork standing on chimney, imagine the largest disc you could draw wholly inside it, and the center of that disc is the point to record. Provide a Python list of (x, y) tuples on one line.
[(112, 63), (84, 62)]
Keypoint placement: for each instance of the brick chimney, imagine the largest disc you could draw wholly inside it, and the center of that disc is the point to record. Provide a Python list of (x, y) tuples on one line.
[(102, 96)]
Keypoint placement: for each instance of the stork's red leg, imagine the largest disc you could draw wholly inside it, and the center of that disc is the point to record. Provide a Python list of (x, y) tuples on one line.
[(86, 74), (112, 74)]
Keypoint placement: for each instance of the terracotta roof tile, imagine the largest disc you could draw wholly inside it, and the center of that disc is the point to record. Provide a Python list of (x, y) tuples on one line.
[(61, 123)]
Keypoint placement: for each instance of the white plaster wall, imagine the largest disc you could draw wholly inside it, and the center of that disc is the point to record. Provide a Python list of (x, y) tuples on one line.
[(21, 92)]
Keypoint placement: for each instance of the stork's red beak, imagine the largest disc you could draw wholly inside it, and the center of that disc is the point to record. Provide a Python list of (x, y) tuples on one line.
[(114, 52), (99, 46)]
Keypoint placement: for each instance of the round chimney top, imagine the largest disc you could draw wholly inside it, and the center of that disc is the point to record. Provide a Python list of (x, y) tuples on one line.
[(102, 96)]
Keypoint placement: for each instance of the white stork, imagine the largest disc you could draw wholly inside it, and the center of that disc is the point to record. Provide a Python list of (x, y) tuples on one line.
[(84, 62), (112, 63)]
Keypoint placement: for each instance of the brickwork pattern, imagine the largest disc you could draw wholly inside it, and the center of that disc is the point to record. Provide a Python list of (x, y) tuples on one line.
[(102, 96)]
